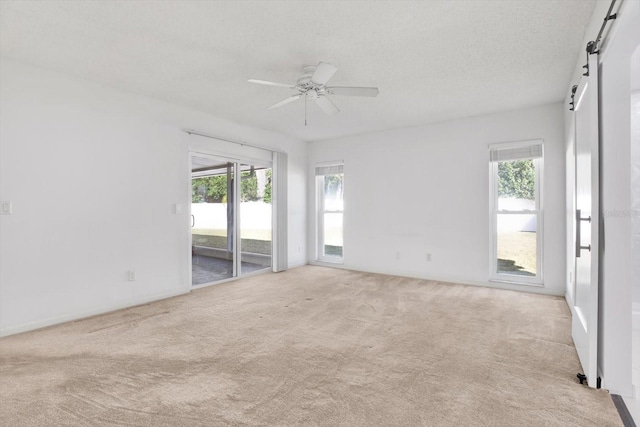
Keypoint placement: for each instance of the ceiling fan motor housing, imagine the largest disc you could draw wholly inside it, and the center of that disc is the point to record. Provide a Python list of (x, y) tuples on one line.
[(305, 79), (306, 86)]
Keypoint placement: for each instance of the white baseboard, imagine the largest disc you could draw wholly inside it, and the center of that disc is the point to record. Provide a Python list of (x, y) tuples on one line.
[(38, 324), (296, 265), (462, 281)]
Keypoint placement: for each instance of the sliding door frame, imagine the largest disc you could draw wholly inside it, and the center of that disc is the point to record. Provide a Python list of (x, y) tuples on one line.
[(238, 222), (237, 244)]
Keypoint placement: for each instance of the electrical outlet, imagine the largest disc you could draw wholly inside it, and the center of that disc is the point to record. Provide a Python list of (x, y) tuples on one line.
[(428, 257), (398, 255), (131, 275), (7, 208)]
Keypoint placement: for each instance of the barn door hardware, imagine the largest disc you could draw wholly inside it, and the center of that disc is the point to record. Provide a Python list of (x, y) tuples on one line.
[(579, 246), (581, 377), (593, 47), (573, 96)]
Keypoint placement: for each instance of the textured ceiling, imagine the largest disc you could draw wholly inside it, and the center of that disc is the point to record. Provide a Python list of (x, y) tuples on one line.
[(432, 60)]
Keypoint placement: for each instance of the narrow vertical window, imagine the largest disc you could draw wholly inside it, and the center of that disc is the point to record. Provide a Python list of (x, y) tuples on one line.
[(516, 219), (330, 207)]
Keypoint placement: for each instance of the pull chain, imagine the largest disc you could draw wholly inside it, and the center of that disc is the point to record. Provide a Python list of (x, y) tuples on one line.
[(305, 109)]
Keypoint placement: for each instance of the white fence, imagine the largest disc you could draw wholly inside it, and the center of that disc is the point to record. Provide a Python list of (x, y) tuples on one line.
[(255, 219), (516, 222)]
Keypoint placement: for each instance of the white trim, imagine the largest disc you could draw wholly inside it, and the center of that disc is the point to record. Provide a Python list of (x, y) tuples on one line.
[(494, 275), (515, 281), (329, 170), (531, 289), (319, 217), (237, 227), (102, 309), (206, 152), (320, 211), (241, 143), (279, 213), (531, 151), (332, 259), (189, 250), (237, 245), (332, 163), (571, 218), (228, 159), (515, 144), (635, 316)]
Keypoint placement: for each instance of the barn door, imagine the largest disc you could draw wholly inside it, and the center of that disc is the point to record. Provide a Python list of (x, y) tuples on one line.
[(587, 220)]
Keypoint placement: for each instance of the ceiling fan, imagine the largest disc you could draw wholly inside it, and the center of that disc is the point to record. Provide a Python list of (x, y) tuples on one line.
[(312, 84)]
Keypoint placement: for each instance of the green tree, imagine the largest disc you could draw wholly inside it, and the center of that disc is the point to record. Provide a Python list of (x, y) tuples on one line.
[(516, 179), (210, 189), (248, 187), (213, 189), (267, 188)]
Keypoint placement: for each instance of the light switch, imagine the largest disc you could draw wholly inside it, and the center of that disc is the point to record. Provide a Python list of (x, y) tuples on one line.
[(7, 208), (177, 208)]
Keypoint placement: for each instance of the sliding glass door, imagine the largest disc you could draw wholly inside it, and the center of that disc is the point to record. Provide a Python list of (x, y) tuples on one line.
[(212, 220), (255, 218), (230, 219)]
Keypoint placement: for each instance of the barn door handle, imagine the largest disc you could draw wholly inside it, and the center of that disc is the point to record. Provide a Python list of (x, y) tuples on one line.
[(579, 246)]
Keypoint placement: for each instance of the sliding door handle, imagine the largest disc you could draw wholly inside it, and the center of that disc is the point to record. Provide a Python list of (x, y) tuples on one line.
[(579, 246), (193, 221)]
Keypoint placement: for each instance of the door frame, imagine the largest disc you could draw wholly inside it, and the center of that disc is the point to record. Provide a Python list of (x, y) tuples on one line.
[(237, 255)]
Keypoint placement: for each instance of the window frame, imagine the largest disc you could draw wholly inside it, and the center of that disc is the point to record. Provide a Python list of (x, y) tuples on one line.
[(320, 212), (494, 275)]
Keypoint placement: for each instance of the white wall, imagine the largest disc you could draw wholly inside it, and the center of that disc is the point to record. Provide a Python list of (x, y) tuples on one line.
[(615, 281), (426, 190), (104, 169)]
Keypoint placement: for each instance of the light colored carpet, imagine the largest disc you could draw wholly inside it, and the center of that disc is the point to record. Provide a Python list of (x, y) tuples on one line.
[(311, 346)]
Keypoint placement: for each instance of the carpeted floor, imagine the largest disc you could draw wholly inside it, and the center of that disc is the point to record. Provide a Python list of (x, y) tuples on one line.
[(311, 346)]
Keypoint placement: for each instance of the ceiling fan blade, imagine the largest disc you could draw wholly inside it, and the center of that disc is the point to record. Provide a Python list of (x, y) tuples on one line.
[(284, 102), (323, 73), (264, 82), (353, 91), (327, 105)]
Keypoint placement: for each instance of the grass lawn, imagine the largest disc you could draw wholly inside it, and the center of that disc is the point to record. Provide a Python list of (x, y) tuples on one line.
[(517, 253)]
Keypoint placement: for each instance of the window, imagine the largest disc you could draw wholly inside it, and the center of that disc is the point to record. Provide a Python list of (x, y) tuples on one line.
[(330, 207), (516, 212)]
